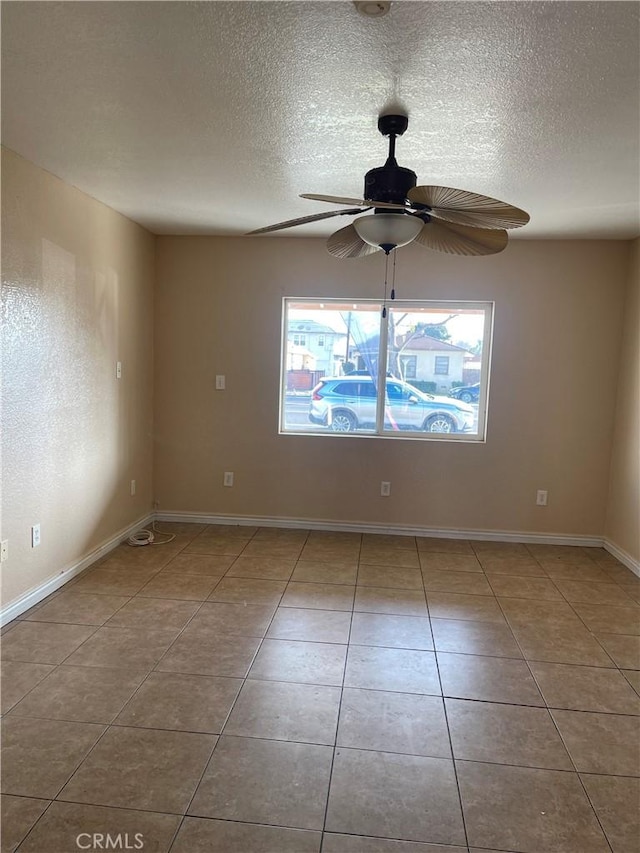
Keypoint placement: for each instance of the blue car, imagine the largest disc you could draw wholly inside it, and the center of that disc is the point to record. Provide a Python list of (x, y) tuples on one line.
[(348, 403)]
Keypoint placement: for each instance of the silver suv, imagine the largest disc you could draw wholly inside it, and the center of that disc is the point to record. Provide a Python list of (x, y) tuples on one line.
[(348, 403)]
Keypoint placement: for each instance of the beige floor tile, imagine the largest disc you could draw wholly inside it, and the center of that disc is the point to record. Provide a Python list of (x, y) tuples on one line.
[(79, 608), (334, 842), (396, 670), (524, 612), (479, 638), (488, 679), (452, 605), (216, 545), (633, 677), (137, 649), (153, 613), (393, 722), (43, 642), (273, 549), (218, 617), (379, 556), (558, 644), (470, 583), (17, 679), (278, 711), (487, 548), (179, 587), (282, 534), (105, 581), (262, 567), (222, 654), (430, 561), (248, 591), (314, 626), (309, 571), (513, 586), (394, 602), (18, 815), (586, 572), (319, 596), (141, 769), (62, 828), (264, 781), (180, 528), (188, 703), (562, 553), (505, 734), (613, 620), (527, 810), (437, 545), (306, 663), (198, 564), (400, 632), (389, 540), (593, 593), (80, 694), (199, 835), (330, 552), (38, 756), (620, 574), (388, 795), (153, 557), (624, 650), (230, 531), (601, 743), (391, 577), (585, 688), (512, 565), (616, 801)]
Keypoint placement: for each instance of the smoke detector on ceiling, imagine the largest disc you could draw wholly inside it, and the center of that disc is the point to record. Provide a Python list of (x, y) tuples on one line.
[(372, 8)]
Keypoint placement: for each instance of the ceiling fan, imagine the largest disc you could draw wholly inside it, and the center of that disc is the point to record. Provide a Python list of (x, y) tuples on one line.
[(441, 218)]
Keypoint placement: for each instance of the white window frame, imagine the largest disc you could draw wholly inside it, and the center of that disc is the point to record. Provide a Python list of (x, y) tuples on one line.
[(380, 432)]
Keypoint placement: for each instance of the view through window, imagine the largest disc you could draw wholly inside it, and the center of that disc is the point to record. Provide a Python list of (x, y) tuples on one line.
[(420, 372)]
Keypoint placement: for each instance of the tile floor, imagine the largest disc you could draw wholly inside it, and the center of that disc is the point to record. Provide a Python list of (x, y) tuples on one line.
[(246, 690)]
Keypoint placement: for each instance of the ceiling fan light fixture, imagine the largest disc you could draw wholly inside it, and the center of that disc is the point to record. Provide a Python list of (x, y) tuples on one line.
[(387, 231)]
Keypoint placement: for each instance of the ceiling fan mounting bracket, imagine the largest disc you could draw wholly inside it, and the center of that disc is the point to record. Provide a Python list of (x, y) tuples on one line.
[(393, 125)]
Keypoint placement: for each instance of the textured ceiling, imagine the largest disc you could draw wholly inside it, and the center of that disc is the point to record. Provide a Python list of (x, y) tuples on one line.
[(212, 117)]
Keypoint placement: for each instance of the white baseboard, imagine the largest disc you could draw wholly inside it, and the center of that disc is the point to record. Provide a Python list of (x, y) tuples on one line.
[(372, 527), (625, 558), (37, 594)]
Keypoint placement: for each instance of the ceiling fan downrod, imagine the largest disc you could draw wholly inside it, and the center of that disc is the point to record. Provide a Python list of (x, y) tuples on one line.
[(390, 183)]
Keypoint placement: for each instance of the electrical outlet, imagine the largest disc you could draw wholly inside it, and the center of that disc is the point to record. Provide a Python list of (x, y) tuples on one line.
[(35, 535), (385, 489), (133, 487), (228, 478), (220, 383), (118, 370), (541, 497), (4, 550)]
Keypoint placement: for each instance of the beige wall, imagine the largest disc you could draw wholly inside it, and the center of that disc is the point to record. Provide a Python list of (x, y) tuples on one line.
[(558, 316), (77, 296), (623, 515)]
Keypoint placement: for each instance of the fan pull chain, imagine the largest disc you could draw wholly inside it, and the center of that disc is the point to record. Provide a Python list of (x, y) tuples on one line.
[(386, 276), (393, 276)]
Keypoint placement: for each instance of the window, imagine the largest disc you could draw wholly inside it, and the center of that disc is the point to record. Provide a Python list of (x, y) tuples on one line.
[(420, 372), (299, 340), (441, 366), (320, 340)]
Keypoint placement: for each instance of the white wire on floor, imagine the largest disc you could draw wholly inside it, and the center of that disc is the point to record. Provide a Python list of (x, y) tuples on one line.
[(148, 537)]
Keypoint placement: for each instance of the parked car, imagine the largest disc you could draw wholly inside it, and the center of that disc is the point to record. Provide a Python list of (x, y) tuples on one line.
[(348, 403), (466, 393)]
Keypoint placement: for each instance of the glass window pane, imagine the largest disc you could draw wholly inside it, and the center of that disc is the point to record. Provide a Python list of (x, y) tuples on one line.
[(330, 367)]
